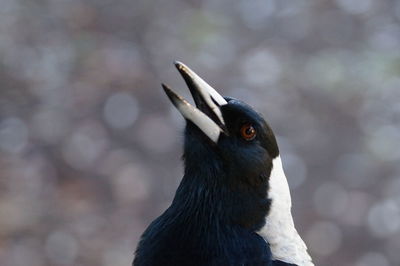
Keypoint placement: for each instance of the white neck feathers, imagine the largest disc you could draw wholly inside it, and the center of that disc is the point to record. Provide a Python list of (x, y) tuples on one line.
[(279, 231)]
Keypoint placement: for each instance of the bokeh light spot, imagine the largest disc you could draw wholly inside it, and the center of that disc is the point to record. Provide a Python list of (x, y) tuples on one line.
[(384, 218), (261, 67), (84, 146), (120, 110), (131, 183), (372, 259), (13, 135), (330, 199), (255, 13), (324, 238), (50, 125), (61, 248), (157, 134), (295, 169), (383, 142), (355, 6)]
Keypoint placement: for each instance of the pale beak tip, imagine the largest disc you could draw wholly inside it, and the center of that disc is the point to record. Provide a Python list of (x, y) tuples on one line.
[(178, 64), (182, 68)]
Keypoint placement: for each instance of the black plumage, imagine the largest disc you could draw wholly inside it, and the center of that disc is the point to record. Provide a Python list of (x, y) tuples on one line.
[(222, 199)]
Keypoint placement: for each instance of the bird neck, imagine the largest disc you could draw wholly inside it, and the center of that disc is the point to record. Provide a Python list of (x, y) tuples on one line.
[(200, 199), (208, 192), (279, 231)]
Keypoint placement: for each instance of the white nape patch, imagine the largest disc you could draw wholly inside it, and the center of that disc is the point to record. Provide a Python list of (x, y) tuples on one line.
[(279, 231)]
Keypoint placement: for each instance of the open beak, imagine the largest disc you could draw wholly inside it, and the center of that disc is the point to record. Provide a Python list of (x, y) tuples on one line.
[(207, 114)]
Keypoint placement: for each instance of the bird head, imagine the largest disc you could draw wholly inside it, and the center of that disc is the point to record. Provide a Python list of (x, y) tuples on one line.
[(229, 148), (233, 172)]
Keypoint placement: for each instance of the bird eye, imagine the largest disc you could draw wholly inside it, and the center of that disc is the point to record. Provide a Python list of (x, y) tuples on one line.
[(248, 132)]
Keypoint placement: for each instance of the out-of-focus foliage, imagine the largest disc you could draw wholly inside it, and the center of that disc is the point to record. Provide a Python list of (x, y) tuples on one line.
[(90, 145)]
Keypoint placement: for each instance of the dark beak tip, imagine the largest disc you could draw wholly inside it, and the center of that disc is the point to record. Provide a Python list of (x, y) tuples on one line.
[(165, 87), (170, 93)]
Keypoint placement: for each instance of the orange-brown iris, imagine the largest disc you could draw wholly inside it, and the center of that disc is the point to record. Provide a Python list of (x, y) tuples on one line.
[(248, 132)]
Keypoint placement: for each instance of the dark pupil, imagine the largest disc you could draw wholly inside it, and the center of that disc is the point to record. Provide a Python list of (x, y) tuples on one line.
[(249, 131)]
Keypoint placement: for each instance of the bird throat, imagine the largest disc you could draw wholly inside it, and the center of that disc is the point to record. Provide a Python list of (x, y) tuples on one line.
[(279, 231)]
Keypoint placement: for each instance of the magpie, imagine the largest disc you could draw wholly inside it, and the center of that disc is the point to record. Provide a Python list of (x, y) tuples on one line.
[(233, 204)]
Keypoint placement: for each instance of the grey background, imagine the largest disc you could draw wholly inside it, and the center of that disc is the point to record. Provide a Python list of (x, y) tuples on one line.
[(90, 146)]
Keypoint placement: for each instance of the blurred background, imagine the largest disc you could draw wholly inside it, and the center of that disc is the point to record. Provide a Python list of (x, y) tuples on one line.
[(90, 146)]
